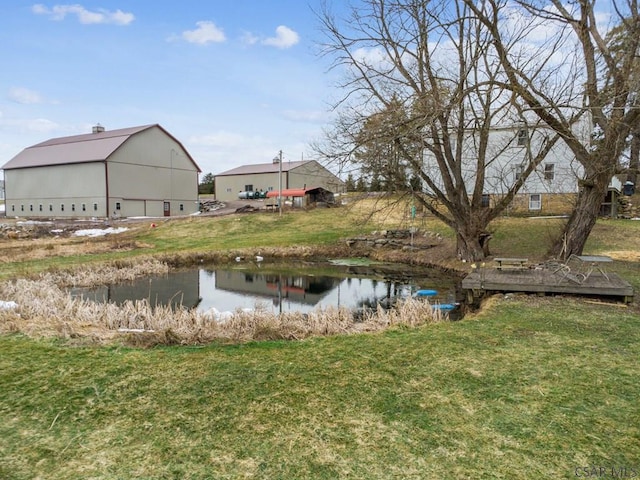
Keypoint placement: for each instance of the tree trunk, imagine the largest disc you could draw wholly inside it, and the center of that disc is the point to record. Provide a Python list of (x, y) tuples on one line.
[(584, 216), (634, 154), (472, 243)]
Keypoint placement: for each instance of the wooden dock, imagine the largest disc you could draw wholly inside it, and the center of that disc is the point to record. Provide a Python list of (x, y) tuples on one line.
[(545, 281)]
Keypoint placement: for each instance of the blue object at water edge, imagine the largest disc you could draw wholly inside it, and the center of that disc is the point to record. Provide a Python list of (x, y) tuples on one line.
[(426, 293), (444, 306)]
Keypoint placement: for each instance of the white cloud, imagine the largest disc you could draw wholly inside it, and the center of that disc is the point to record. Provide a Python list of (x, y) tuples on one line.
[(285, 38), (249, 38), (24, 96), (375, 58), (207, 32), (222, 150), (59, 12), (35, 125)]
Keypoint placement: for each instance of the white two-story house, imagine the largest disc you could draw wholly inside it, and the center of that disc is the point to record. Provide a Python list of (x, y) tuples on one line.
[(550, 189)]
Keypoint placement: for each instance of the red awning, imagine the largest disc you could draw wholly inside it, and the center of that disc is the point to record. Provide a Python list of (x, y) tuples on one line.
[(289, 192)]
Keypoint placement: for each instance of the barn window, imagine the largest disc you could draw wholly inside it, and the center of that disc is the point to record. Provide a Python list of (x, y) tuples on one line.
[(84, 207), (228, 190), (31, 207), (95, 207), (182, 207), (117, 205), (50, 208), (22, 208), (73, 207), (40, 207), (13, 208), (62, 207), (248, 188)]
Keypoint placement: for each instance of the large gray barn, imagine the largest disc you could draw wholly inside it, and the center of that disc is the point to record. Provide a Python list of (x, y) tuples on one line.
[(137, 171), (264, 176)]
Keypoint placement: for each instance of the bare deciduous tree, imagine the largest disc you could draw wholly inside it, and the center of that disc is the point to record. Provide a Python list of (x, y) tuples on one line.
[(425, 78), (603, 74)]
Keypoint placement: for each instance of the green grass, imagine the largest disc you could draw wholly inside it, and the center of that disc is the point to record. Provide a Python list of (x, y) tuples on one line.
[(319, 227), (529, 388), (533, 389)]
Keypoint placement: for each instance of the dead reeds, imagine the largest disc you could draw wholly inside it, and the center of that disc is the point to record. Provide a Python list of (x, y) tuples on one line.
[(108, 273), (45, 309)]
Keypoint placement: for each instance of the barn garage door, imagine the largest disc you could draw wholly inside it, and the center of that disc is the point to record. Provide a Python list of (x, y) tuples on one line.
[(133, 208)]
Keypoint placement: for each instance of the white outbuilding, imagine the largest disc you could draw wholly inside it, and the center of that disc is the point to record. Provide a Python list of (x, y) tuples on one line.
[(263, 178), (137, 171)]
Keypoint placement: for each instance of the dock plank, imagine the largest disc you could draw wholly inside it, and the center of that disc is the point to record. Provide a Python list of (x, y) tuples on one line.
[(545, 281)]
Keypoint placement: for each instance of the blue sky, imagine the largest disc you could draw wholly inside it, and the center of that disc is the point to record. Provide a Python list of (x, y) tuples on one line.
[(234, 81)]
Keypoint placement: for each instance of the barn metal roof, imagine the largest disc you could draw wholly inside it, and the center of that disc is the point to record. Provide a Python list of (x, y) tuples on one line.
[(263, 168), (86, 148)]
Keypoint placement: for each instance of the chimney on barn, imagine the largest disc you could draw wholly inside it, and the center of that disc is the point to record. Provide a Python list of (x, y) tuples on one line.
[(98, 128)]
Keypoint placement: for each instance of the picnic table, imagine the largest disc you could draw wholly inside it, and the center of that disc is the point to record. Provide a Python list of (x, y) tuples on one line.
[(505, 263), (586, 264)]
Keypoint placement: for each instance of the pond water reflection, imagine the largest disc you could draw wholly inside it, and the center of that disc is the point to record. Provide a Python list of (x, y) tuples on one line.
[(279, 288)]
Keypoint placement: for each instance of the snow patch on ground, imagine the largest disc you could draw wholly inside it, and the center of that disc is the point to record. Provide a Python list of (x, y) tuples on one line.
[(97, 232), (8, 305), (33, 222)]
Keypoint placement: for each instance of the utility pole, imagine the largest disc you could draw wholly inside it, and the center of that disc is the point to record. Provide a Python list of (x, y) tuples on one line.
[(280, 183)]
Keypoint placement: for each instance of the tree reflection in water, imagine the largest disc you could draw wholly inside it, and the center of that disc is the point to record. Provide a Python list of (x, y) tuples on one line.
[(228, 289)]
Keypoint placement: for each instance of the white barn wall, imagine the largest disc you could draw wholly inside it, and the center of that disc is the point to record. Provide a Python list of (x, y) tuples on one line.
[(83, 184), (313, 174), (227, 187), (310, 174), (148, 170)]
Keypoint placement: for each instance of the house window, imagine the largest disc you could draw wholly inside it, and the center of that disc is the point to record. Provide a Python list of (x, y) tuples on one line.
[(84, 207), (22, 208), (50, 208), (549, 171), (13, 208), (40, 207), (182, 207), (95, 207), (523, 137), (535, 201), (31, 208), (73, 207), (62, 207), (486, 199), (117, 205), (519, 171)]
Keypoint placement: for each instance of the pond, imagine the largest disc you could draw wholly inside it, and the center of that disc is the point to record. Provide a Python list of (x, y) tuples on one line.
[(282, 287)]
